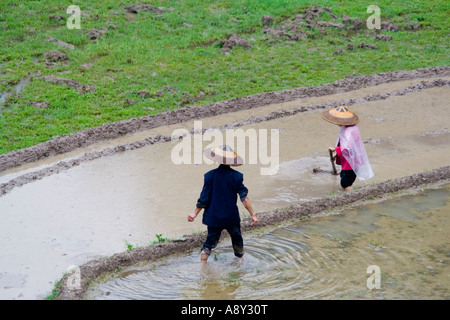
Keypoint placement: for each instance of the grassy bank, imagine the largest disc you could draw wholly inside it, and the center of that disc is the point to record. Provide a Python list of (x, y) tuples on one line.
[(153, 61)]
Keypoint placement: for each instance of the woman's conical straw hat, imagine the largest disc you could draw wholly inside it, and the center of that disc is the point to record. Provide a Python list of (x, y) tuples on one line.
[(340, 116)]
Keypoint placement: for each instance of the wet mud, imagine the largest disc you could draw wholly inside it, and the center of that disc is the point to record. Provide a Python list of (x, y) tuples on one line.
[(94, 269), (81, 88), (62, 144), (16, 90)]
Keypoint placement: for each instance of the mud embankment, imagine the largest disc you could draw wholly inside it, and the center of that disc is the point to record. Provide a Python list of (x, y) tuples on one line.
[(88, 137), (67, 164), (94, 269)]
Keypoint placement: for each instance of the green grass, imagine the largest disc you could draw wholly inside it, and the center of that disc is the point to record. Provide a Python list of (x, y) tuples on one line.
[(181, 48), (55, 291)]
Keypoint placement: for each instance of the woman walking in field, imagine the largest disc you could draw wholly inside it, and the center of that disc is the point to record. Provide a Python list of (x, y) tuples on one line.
[(350, 151)]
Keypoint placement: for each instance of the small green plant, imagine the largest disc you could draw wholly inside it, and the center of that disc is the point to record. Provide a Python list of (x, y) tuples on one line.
[(233, 276), (375, 244), (129, 246), (159, 238)]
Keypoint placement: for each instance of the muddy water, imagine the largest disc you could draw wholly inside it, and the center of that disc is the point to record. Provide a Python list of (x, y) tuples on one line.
[(324, 258), (17, 88), (95, 208)]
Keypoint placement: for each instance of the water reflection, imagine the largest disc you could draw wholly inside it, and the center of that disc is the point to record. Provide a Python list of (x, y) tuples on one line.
[(324, 258)]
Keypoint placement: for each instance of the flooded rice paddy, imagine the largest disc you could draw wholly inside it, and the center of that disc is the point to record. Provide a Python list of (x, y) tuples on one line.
[(323, 258), (94, 209)]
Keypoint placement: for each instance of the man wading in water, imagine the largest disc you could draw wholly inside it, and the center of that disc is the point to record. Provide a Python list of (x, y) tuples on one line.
[(350, 151), (219, 197)]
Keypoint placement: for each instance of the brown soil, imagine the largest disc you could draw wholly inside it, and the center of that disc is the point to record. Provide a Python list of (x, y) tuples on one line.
[(302, 25), (52, 57), (108, 131), (145, 7), (317, 21), (94, 34), (60, 43), (383, 37), (233, 41), (55, 56), (39, 104), (81, 88), (93, 269)]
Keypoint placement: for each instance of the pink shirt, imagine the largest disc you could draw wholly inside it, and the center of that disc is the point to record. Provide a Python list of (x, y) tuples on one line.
[(344, 163)]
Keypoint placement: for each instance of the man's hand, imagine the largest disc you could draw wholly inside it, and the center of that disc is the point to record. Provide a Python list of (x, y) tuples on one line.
[(194, 214), (254, 220), (248, 205)]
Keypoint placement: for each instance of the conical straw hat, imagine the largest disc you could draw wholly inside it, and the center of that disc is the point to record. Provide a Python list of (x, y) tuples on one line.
[(340, 116), (223, 155)]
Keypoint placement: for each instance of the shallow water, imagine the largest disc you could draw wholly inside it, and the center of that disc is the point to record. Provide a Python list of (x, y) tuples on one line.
[(93, 209), (323, 258), (17, 88)]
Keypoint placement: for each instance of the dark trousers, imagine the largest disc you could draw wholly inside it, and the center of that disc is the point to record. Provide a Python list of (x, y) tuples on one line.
[(347, 178), (213, 237)]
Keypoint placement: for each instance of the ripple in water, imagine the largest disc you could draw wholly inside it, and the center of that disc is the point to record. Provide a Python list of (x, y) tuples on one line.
[(324, 258)]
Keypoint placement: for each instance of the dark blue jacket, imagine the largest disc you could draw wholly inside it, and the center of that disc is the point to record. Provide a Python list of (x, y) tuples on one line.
[(219, 196)]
